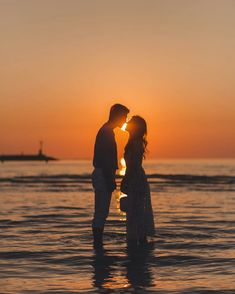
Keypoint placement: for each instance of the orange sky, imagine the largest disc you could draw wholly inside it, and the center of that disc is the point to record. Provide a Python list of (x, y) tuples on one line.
[(64, 63)]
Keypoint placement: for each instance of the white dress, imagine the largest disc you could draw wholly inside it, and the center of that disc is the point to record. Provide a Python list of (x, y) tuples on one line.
[(140, 220)]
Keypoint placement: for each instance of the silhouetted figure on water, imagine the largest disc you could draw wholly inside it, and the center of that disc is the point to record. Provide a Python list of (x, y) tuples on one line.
[(105, 164), (139, 213)]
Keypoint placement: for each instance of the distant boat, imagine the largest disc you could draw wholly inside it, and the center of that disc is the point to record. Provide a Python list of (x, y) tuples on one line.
[(28, 157)]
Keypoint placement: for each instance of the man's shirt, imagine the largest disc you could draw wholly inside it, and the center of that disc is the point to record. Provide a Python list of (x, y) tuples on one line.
[(105, 151)]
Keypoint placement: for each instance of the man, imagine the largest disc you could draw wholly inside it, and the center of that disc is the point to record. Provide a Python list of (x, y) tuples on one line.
[(105, 165)]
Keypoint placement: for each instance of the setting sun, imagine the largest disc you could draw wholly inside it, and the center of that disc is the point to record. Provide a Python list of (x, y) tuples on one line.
[(123, 128)]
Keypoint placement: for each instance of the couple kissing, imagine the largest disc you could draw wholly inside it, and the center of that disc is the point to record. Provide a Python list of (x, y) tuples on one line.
[(139, 213)]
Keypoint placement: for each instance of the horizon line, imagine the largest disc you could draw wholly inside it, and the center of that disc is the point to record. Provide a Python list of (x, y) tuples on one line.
[(159, 158)]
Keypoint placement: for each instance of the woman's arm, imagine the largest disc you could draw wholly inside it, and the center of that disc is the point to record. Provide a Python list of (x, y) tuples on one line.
[(133, 164)]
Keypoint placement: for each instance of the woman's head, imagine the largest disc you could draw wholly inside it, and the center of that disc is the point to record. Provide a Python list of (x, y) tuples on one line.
[(137, 129)]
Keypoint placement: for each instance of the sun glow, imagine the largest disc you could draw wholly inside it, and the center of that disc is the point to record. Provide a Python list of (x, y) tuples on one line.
[(123, 162), (123, 128)]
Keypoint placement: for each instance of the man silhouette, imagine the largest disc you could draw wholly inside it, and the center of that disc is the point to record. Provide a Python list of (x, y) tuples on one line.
[(105, 165)]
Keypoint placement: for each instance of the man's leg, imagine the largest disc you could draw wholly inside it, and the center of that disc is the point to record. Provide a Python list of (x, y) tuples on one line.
[(102, 204)]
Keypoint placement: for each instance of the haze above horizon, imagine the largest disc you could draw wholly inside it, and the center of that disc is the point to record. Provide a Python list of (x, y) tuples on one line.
[(64, 63)]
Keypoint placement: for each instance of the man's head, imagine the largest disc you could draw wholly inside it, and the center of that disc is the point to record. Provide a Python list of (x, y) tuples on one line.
[(118, 114)]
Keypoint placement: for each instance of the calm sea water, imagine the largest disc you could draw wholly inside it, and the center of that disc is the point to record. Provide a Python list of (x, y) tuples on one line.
[(46, 241)]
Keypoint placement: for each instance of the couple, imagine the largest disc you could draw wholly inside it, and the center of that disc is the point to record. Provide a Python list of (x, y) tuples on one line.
[(140, 222)]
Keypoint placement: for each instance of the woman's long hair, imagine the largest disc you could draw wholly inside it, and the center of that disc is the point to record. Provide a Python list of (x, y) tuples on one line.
[(138, 134)]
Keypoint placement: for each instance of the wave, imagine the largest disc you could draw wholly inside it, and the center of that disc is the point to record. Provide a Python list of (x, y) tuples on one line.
[(153, 178)]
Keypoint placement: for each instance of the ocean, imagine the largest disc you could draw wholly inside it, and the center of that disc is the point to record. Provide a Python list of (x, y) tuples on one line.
[(46, 240)]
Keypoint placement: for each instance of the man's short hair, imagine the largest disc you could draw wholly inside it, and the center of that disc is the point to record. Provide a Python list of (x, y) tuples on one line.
[(116, 110)]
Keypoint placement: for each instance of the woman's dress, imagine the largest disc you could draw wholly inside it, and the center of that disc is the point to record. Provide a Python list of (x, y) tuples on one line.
[(140, 220)]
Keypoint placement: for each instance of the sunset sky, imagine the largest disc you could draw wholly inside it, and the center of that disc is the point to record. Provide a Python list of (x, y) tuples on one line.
[(63, 63)]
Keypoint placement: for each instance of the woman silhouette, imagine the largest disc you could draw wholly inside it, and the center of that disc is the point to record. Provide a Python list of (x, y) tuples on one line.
[(140, 221)]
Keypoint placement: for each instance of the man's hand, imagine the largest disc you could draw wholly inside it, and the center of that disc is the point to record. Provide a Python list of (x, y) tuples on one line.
[(110, 180)]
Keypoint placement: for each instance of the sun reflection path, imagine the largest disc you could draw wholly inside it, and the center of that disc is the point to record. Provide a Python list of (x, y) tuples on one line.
[(119, 194), (122, 171)]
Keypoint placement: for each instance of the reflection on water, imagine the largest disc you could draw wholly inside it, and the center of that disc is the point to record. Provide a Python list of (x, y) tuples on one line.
[(135, 264), (139, 265), (104, 270), (46, 240)]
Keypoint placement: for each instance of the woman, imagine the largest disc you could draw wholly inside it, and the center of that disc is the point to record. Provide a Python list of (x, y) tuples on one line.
[(140, 222)]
